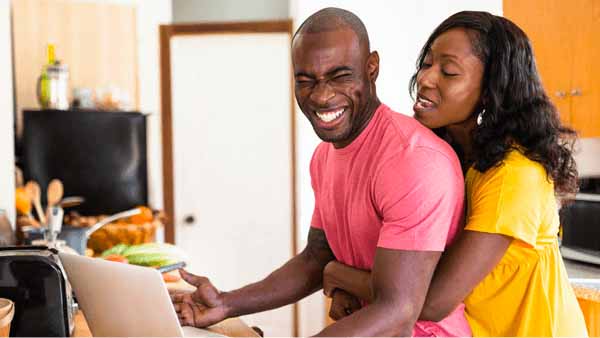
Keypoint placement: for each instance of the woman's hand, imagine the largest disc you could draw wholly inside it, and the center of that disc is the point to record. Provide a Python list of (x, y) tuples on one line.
[(343, 304), (354, 281), (329, 278)]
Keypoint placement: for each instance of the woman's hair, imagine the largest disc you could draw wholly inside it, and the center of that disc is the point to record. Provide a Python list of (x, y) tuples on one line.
[(517, 110)]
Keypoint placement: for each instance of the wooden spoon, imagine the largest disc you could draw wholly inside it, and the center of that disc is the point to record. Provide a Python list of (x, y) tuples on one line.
[(33, 191), (54, 193)]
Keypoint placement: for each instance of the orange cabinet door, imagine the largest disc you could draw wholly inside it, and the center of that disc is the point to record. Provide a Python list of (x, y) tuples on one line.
[(549, 26), (585, 90)]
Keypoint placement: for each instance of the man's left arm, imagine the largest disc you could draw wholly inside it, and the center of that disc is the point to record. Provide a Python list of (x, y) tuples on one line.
[(400, 280)]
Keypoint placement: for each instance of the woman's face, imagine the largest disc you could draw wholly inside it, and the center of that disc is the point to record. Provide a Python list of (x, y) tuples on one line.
[(449, 81)]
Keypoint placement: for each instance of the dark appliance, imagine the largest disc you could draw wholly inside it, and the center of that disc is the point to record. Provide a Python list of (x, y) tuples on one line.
[(99, 155), (34, 279), (580, 220)]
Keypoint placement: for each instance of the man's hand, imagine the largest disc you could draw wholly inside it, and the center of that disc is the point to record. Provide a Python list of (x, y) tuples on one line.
[(201, 308), (343, 304)]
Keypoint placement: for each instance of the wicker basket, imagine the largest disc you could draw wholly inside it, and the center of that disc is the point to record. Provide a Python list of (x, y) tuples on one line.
[(121, 232)]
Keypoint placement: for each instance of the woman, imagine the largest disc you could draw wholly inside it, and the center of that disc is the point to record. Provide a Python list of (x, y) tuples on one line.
[(477, 86)]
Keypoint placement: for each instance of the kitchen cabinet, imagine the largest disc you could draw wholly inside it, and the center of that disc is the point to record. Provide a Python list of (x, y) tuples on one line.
[(565, 37), (97, 40)]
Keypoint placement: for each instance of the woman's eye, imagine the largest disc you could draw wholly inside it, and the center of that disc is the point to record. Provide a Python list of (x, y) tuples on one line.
[(448, 73), (426, 65)]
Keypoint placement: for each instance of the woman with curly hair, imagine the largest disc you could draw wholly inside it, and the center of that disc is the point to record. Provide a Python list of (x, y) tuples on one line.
[(478, 87)]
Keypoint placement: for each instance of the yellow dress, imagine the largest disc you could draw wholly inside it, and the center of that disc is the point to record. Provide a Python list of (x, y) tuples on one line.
[(528, 292)]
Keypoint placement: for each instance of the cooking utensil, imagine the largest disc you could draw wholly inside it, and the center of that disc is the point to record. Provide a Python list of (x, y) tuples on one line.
[(54, 193), (77, 237), (111, 219), (33, 191), (71, 201)]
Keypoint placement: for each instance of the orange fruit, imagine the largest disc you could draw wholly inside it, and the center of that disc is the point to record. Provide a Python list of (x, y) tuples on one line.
[(22, 201), (144, 216)]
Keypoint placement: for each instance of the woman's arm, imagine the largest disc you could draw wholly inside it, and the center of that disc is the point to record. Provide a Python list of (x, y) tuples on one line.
[(464, 265), (461, 268), (354, 281)]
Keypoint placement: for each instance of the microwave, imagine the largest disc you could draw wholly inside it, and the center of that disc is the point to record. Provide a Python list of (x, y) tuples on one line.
[(580, 220)]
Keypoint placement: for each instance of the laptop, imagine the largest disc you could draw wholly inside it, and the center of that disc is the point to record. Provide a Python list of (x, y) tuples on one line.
[(123, 300)]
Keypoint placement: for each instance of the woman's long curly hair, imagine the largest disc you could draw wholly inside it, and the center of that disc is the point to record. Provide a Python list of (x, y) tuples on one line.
[(517, 109)]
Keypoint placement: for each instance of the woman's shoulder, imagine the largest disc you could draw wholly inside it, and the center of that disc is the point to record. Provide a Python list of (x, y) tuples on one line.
[(516, 168)]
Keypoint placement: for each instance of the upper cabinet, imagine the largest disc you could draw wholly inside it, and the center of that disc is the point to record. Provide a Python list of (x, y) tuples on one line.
[(566, 41), (97, 40)]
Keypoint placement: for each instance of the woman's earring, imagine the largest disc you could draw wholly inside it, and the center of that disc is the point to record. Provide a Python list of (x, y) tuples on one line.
[(480, 117)]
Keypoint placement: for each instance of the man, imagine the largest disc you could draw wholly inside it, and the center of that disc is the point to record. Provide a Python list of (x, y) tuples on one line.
[(388, 196)]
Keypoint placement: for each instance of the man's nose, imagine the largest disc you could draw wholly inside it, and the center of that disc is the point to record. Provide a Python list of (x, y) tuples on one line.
[(322, 93)]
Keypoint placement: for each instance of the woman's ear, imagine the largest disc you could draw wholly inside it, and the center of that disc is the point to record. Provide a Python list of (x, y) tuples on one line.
[(373, 66)]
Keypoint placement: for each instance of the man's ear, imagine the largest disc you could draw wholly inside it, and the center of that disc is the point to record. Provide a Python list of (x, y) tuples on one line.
[(373, 66)]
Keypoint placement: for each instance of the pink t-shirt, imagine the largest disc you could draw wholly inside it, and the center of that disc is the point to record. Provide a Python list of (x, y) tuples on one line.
[(396, 186)]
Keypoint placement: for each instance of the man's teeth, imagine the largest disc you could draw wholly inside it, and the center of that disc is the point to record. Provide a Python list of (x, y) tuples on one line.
[(330, 116)]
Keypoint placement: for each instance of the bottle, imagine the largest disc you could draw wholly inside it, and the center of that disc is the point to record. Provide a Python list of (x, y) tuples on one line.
[(53, 83)]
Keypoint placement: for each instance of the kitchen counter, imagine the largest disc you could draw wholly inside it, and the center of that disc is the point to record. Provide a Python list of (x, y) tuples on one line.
[(585, 279), (577, 269)]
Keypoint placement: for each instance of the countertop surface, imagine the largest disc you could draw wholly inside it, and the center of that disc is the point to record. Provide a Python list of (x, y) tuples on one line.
[(577, 269)]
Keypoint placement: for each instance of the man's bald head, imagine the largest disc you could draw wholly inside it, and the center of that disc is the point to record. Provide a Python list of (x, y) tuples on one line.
[(333, 19), (335, 74)]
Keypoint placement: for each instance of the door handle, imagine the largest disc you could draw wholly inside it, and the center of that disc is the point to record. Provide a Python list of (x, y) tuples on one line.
[(189, 220), (561, 94), (576, 92)]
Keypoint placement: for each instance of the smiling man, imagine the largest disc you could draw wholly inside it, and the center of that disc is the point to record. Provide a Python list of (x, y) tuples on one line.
[(388, 196)]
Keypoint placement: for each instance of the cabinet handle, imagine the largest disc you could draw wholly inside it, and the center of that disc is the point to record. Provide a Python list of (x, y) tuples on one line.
[(576, 92), (561, 94)]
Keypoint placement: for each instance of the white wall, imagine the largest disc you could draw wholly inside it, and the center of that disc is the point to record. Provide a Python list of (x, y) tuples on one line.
[(587, 156), (7, 162), (229, 10), (397, 30), (151, 14)]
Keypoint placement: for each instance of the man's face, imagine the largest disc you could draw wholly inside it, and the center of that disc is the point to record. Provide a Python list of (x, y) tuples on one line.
[(333, 86)]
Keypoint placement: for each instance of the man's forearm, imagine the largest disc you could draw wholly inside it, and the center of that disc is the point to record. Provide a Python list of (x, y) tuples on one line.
[(375, 320), (295, 280)]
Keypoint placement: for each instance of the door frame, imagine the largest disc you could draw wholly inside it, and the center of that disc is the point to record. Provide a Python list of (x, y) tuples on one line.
[(165, 34)]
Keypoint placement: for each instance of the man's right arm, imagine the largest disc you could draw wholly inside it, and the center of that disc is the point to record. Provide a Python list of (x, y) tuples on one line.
[(296, 279)]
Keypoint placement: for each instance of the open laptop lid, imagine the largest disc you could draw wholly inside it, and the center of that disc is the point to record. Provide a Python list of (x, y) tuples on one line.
[(121, 300)]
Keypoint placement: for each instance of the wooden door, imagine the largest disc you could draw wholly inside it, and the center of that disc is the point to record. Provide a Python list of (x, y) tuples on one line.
[(227, 118), (585, 88), (549, 25)]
